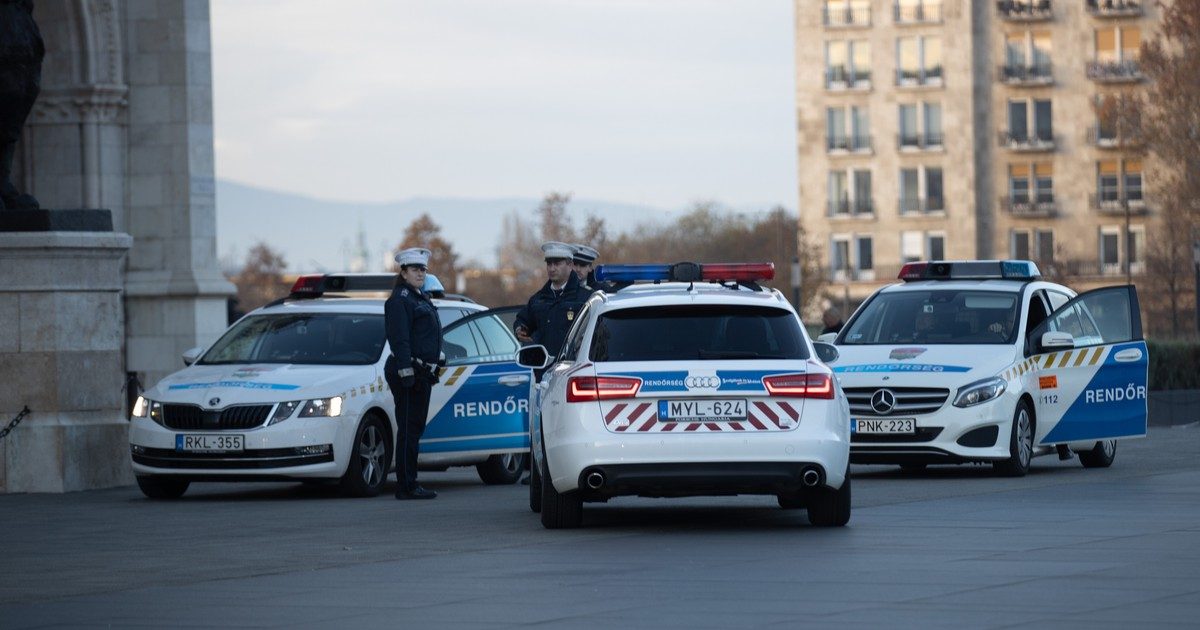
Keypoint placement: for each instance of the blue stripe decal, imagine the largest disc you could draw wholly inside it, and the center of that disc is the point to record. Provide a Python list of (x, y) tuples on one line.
[(478, 444), (241, 384), (901, 367), (493, 368), (1113, 404)]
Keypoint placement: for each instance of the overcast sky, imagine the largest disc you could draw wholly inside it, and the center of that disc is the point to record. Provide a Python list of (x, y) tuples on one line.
[(657, 102)]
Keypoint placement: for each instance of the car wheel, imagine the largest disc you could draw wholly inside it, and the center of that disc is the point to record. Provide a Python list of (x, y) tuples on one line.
[(829, 507), (1101, 455), (501, 470), (163, 487), (1020, 444), (369, 459), (535, 486), (559, 510)]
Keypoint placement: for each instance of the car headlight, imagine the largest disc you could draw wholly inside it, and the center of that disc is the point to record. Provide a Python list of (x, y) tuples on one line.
[(141, 408), (283, 411), (322, 408), (979, 391)]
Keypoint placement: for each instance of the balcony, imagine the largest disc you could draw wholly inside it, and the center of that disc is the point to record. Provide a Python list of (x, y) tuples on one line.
[(922, 206), (1115, 71), (1026, 76), (840, 79), (859, 208), (925, 77), (851, 275), (1030, 11), (925, 13), (1114, 8), (848, 144), (1042, 206), (1112, 203), (846, 17), (1106, 138), (931, 141), (1022, 142)]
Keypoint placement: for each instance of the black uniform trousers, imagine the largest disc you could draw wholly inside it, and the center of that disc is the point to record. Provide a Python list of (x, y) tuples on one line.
[(412, 409)]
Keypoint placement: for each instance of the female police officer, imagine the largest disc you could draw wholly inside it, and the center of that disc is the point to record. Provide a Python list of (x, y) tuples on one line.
[(414, 335)]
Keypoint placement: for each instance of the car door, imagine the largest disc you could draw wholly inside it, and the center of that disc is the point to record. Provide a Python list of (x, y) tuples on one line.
[(1095, 390), (481, 404)]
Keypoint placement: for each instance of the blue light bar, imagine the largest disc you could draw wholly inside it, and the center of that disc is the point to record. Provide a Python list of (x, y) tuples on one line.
[(1022, 269), (970, 270), (632, 273)]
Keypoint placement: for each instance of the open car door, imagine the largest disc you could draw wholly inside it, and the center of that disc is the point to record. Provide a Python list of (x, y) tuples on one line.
[(1090, 364)]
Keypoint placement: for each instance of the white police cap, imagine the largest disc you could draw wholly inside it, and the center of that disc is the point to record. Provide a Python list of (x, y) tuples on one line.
[(554, 249), (413, 256), (584, 255)]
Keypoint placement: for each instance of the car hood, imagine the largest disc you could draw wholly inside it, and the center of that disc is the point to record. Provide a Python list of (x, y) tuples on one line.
[(258, 383), (913, 365)]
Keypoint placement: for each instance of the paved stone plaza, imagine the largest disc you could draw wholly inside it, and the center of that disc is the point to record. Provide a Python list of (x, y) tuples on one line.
[(951, 547)]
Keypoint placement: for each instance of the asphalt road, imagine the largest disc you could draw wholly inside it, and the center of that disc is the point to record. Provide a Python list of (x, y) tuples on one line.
[(950, 547)]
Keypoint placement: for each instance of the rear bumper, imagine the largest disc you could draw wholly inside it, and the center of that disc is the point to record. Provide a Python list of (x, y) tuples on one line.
[(696, 479)]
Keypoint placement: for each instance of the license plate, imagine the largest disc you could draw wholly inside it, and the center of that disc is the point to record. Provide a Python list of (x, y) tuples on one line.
[(209, 443), (706, 410), (883, 425)]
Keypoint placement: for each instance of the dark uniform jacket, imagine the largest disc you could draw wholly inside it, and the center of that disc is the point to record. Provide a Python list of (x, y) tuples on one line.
[(549, 314), (413, 329)]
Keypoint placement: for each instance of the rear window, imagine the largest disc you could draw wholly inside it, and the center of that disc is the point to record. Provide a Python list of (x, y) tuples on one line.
[(691, 333), (943, 316)]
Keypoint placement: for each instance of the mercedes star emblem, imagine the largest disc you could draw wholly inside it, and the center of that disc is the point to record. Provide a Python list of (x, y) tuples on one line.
[(883, 401)]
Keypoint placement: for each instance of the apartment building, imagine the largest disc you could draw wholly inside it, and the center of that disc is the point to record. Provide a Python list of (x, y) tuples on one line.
[(953, 129)]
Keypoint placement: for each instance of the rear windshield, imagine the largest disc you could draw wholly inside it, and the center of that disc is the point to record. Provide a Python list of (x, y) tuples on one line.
[(305, 338), (690, 333), (936, 317)]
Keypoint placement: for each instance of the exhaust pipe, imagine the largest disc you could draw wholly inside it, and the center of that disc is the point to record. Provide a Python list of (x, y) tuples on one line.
[(595, 480), (811, 477)]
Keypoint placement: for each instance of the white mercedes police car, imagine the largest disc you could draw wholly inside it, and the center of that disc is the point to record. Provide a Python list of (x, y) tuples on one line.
[(295, 390), (701, 383), (982, 361)]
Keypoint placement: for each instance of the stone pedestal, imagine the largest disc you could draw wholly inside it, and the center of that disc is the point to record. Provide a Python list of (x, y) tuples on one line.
[(62, 328)]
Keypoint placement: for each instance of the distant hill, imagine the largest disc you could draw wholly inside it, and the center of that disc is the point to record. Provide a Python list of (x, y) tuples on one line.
[(320, 234)]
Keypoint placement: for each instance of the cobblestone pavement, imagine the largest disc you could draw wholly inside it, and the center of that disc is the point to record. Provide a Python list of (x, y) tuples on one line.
[(949, 547)]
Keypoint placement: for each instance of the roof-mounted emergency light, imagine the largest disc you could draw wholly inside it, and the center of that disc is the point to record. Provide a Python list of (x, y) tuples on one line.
[(970, 270), (687, 272), (316, 285)]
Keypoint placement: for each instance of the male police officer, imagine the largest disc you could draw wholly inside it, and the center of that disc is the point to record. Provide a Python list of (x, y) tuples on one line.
[(549, 314), (583, 259), (414, 335)]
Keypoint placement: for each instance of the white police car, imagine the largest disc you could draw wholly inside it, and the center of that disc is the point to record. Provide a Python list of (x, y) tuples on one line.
[(702, 383), (295, 390), (981, 361)]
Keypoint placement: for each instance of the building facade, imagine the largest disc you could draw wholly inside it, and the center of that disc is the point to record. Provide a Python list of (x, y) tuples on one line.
[(952, 129)]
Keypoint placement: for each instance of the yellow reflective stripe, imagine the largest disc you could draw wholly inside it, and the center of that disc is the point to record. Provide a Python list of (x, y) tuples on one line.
[(1066, 358), (1082, 357), (1096, 355), (1050, 360), (457, 373)]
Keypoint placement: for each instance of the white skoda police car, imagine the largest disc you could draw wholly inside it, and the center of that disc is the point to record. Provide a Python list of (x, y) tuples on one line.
[(982, 361), (295, 390), (701, 383)]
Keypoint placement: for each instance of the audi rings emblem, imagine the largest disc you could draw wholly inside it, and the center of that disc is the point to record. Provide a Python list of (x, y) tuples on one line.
[(213, 402), (883, 401), (702, 382)]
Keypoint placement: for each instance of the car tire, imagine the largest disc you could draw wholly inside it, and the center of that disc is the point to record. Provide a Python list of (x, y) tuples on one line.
[(1020, 444), (829, 507), (559, 510), (501, 470), (1101, 455), (370, 457), (162, 487), (535, 486)]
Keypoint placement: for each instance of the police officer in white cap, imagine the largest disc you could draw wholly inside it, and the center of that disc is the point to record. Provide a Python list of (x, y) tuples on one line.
[(414, 335), (549, 314), (583, 259)]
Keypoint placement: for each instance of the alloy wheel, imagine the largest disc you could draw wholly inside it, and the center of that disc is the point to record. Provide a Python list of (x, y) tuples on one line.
[(371, 450)]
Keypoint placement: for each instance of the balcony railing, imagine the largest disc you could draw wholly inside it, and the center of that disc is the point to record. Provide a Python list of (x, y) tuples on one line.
[(918, 206), (1027, 143), (851, 275), (1102, 138), (842, 79), (1114, 203), (850, 207), (1038, 74), (931, 140), (925, 76), (1113, 8), (848, 144), (1028, 11), (1042, 205), (1114, 71), (924, 13), (846, 16)]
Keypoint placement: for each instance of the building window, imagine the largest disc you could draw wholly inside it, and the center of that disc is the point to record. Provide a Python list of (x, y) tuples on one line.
[(1018, 183), (1044, 242), (911, 246), (862, 201), (839, 195), (1118, 182), (1133, 180), (845, 200), (847, 64), (917, 11), (935, 244), (847, 13), (1020, 132), (926, 135), (1019, 245), (852, 257), (921, 190), (865, 263), (838, 138), (1116, 53), (1027, 57), (1110, 256), (1135, 248), (1043, 174), (1030, 188), (920, 60), (839, 253)]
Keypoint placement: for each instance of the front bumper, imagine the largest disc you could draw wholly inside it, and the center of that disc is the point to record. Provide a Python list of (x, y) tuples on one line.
[(952, 435)]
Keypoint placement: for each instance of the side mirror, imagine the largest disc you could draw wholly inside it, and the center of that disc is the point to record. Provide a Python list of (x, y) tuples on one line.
[(533, 357), (827, 338), (1057, 339), (826, 352), (193, 355)]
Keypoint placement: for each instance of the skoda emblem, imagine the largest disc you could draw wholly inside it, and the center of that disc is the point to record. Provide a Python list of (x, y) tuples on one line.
[(702, 382), (883, 401), (213, 402)]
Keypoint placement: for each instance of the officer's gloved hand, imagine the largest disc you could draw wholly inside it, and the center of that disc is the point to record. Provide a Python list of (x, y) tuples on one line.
[(407, 377)]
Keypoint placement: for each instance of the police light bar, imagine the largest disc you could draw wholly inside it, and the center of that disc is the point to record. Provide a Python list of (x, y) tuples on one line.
[(970, 270), (316, 285), (687, 272)]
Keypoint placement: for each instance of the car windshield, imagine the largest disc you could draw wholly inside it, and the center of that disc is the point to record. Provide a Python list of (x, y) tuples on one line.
[(689, 333), (305, 338), (944, 316)]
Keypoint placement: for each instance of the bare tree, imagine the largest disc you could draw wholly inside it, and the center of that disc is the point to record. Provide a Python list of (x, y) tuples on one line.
[(443, 261), (260, 279)]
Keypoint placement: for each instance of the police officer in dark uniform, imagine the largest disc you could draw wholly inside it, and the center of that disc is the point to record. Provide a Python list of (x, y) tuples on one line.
[(414, 335), (583, 259), (549, 314)]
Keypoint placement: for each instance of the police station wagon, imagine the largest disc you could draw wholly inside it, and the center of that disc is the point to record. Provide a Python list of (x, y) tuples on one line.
[(982, 361), (697, 382), (295, 390)]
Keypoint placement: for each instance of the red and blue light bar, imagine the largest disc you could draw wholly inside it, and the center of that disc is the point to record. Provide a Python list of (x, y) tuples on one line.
[(687, 272), (970, 270)]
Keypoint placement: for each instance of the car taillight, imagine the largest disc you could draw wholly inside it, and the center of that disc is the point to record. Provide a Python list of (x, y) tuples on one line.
[(800, 385), (585, 388)]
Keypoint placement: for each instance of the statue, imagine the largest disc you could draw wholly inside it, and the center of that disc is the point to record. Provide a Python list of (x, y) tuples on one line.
[(21, 52)]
